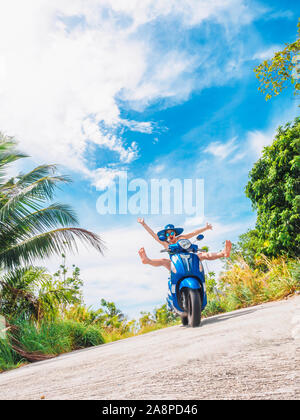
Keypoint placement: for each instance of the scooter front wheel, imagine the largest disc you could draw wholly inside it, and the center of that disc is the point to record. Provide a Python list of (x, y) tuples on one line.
[(193, 307)]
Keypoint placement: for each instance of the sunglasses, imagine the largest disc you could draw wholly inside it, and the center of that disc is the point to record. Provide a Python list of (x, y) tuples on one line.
[(170, 233)]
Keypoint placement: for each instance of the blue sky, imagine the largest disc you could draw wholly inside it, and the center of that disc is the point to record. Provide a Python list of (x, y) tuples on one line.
[(161, 89)]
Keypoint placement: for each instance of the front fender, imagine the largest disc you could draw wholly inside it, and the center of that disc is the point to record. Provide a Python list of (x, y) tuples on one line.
[(190, 282)]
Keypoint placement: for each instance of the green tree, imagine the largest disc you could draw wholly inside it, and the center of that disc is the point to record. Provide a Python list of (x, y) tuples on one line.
[(282, 70), (146, 320), (73, 282), (246, 248), (113, 317), (274, 189), (33, 294), (30, 225)]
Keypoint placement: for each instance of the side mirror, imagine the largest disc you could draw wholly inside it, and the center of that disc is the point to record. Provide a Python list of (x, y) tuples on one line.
[(200, 237)]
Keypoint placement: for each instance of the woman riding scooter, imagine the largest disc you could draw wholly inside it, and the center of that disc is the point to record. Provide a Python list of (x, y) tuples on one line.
[(170, 235)]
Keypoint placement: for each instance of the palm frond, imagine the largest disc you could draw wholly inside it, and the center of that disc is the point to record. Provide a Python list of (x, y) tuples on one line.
[(47, 244), (34, 223), (8, 154), (30, 229), (19, 202), (38, 173)]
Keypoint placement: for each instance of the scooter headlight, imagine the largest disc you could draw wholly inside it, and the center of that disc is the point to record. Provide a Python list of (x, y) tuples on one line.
[(185, 243)]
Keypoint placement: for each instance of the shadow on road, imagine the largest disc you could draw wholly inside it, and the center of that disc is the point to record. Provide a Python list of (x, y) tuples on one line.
[(225, 317)]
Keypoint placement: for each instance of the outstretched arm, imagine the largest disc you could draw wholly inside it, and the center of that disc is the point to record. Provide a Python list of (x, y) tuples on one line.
[(196, 232), (149, 230)]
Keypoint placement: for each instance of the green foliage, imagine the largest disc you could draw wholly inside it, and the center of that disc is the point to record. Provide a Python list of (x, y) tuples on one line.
[(282, 70), (9, 359), (214, 306), (242, 285), (247, 246), (210, 282), (113, 317), (49, 338), (163, 316), (55, 337), (204, 248), (146, 320), (74, 282), (84, 335), (32, 293), (245, 286), (30, 227), (274, 189)]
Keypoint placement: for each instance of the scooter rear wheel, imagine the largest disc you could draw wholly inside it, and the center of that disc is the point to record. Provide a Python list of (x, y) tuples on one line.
[(194, 307)]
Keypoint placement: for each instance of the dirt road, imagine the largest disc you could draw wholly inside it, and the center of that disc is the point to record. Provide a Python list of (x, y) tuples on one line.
[(252, 353)]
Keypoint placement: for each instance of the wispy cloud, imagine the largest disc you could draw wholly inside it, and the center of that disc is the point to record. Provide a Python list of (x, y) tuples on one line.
[(221, 150), (280, 14), (67, 65), (108, 138), (267, 53), (257, 140)]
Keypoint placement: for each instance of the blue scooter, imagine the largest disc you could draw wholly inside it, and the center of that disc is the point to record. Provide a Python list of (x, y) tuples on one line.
[(187, 292)]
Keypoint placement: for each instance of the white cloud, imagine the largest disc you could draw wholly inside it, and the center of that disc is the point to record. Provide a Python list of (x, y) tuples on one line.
[(221, 150), (281, 14), (257, 140), (267, 53), (108, 139), (64, 65), (103, 177)]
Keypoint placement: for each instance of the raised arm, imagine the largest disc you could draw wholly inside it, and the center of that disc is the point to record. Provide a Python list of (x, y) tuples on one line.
[(196, 232), (149, 230)]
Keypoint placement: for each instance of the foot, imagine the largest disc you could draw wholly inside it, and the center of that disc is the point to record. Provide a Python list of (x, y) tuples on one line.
[(143, 256), (227, 249)]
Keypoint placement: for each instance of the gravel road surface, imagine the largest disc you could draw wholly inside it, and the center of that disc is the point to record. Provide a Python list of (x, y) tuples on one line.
[(252, 353)]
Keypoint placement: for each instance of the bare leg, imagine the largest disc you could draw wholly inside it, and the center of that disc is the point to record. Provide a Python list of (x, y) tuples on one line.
[(163, 262), (215, 255)]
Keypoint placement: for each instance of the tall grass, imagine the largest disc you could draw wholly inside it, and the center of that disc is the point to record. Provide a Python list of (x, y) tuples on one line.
[(271, 279), (57, 337), (9, 359), (48, 338)]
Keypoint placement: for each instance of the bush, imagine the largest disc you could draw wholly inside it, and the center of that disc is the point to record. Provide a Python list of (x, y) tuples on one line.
[(83, 335)]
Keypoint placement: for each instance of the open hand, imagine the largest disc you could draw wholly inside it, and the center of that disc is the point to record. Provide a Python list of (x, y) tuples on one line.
[(208, 226), (141, 220)]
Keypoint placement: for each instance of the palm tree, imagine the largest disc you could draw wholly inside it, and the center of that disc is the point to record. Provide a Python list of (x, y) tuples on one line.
[(30, 226), (32, 293)]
